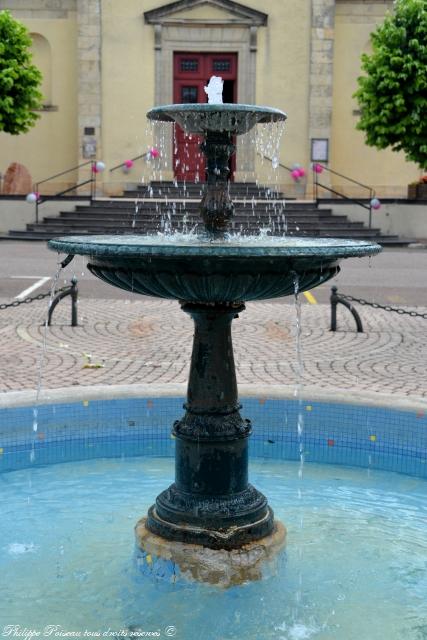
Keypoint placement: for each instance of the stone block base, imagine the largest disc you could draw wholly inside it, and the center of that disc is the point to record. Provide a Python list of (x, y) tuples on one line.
[(174, 561)]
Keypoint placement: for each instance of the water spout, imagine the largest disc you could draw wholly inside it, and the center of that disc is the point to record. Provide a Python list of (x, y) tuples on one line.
[(214, 90)]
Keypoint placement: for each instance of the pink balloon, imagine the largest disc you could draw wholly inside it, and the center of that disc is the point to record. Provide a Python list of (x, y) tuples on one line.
[(295, 174), (128, 164), (154, 153), (301, 172), (375, 203), (317, 168)]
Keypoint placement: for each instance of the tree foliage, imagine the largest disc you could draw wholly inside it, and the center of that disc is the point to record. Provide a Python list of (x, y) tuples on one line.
[(393, 94), (19, 78)]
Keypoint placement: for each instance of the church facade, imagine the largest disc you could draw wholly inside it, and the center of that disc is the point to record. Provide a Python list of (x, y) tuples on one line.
[(106, 63)]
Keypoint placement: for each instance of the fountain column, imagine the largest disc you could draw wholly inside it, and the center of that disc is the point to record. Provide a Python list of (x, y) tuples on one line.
[(216, 207), (211, 502)]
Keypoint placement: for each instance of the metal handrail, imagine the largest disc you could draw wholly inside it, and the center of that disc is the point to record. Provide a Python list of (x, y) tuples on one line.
[(83, 164), (318, 184), (279, 164), (122, 164), (92, 181), (362, 204), (341, 175)]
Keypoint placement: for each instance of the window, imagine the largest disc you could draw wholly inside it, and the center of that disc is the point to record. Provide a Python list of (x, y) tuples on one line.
[(188, 94), (221, 65), (42, 58), (189, 64)]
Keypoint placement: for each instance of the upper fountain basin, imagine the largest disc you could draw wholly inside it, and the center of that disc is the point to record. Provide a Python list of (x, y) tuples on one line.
[(193, 269), (200, 118)]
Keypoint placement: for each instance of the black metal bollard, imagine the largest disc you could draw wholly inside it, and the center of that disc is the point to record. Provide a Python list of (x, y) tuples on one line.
[(72, 291), (335, 300)]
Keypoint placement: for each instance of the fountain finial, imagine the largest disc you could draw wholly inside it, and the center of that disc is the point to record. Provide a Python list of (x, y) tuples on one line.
[(214, 90)]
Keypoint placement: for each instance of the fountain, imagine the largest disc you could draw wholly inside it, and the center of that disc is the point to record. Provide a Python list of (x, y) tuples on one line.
[(211, 522)]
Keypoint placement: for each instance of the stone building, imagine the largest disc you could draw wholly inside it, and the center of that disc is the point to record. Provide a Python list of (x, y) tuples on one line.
[(107, 62)]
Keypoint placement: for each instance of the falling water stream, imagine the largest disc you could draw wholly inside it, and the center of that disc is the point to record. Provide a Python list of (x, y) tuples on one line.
[(42, 357), (264, 139), (300, 432)]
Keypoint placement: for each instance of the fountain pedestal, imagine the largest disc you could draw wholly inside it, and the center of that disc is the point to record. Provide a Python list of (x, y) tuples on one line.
[(211, 502), (177, 561)]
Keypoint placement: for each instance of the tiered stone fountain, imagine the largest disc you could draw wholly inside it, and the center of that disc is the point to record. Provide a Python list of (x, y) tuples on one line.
[(211, 523)]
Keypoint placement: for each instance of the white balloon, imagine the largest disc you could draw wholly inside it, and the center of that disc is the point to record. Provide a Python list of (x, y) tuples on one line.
[(31, 197), (100, 166)]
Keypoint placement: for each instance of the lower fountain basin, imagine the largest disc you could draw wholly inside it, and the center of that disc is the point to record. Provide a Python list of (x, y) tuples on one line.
[(194, 269), (73, 567), (354, 566)]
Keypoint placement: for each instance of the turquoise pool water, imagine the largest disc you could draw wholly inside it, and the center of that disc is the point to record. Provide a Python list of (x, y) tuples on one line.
[(355, 565)]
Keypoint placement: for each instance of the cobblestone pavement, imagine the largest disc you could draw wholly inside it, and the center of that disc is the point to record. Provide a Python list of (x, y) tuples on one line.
[(149, 341)]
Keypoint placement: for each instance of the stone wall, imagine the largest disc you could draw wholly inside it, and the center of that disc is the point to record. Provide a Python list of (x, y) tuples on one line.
[(404, 220), (385, 170), (89, 80), (51, 146), (40, 9), (16, 213), (321, 68), (304, 60)]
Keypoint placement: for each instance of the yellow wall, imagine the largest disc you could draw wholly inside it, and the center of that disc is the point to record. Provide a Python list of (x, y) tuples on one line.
[(386, 171), (201, 12), (127, 84), (128, 77), (51, 146), (128, 91), (282, 75)]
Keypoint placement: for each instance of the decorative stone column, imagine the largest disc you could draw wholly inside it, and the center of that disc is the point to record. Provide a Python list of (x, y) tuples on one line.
[(89, 82), (321, 70)]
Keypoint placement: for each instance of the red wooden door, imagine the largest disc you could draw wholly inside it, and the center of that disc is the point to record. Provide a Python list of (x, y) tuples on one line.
[(191, 74)]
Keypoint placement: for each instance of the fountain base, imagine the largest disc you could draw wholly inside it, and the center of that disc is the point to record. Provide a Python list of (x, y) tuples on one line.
[(173, 561)]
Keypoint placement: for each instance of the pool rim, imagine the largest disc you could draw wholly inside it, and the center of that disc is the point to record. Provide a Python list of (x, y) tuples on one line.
[(60, 395)]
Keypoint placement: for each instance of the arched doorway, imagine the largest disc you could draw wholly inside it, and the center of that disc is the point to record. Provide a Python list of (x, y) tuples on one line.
[(233, 27), (191, 74)]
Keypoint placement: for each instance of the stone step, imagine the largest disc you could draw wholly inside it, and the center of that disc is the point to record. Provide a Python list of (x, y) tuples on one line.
[(68, 217), (117, 216), (236, 188), (193, 207), (177, 218)]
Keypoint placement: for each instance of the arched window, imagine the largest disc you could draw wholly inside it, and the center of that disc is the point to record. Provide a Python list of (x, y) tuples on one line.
[(42, 58)]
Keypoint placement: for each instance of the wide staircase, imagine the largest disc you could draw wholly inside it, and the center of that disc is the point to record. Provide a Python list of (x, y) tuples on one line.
[(167, 206)]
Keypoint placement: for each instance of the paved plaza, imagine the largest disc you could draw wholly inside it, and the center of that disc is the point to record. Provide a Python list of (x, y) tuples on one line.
[(148, 341)]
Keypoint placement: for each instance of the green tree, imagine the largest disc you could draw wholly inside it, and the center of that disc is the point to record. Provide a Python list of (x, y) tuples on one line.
[(393, 94), (19, 78)]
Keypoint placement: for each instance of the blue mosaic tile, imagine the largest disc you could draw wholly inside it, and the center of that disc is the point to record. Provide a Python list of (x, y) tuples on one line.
[(333, 433)]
